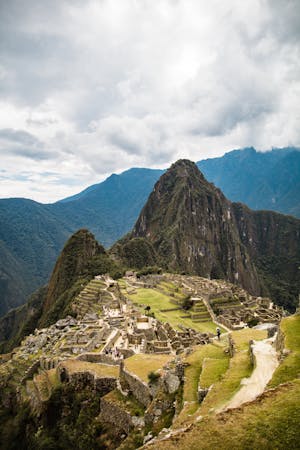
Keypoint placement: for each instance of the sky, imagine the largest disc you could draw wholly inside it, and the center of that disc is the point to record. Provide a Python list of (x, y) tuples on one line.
[(88, 88)]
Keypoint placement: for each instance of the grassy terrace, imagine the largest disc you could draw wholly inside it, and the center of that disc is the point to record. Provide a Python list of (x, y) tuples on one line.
[(142, 364), (192, 375), (210, 365), (101, 370), (270, 423), (290, 367), (159, 301), (239, 367)]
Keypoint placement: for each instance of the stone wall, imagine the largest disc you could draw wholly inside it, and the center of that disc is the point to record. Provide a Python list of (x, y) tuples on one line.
[(279, 341), (98, 358), (139, 389), (114, 415), (80, 380)]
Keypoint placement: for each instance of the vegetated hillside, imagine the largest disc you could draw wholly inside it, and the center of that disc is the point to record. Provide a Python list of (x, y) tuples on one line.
[(193, 228), (262, 180), (273, 243), (80, 260), (33, 234), (31, 237), (109, 209)]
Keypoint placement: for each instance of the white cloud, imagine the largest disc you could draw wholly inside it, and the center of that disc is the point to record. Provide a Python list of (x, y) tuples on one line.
[(100, 86)]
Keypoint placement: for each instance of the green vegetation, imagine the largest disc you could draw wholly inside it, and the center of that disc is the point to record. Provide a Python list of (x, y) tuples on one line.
[(136, 253), (153, 377), (128, 403), (159, 302), (142, 364), (212, 371), (270, 423), (289, 368), (192, 375)]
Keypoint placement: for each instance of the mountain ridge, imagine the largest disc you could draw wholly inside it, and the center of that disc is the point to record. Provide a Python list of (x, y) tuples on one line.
[(32, 240)]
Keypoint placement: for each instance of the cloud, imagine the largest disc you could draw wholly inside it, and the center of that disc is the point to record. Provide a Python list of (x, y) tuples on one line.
[(98, 86)]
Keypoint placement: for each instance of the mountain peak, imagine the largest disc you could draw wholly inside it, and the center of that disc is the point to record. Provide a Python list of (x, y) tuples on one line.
[(78, 250), (184, 168), (191, 226)]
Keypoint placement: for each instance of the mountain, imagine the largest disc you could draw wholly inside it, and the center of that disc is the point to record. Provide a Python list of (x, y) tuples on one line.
[(80, 260), (109, 209), (262, 180), (192, 227), (33, 234)]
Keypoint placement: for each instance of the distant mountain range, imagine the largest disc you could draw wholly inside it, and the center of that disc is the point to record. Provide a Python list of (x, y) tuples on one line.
[(269, 180), (32, 234)]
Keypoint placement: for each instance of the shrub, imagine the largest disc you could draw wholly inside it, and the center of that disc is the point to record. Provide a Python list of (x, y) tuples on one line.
[(153, 377)]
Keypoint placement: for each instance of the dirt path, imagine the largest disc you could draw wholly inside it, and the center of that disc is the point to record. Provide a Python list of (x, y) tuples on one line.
[(266, 363)]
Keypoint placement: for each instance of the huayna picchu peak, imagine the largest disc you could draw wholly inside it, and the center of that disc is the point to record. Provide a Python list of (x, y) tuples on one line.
[(193, 228)]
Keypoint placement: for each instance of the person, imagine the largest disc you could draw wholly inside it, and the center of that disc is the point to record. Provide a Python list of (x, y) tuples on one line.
[(218, 333)]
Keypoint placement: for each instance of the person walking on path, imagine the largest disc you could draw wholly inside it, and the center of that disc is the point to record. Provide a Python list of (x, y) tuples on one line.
[(218, 333)]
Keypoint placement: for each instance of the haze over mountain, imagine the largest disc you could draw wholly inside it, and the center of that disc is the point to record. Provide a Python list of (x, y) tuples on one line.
[(32, 234)]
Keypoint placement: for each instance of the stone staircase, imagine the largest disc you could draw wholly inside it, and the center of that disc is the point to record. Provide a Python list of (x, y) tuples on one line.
[(199, 312)]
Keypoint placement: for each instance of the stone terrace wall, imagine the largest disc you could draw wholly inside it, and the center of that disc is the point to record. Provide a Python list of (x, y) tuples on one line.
[(112, 414), (98, 358), (279, 341), (80, 380), (139, 389)]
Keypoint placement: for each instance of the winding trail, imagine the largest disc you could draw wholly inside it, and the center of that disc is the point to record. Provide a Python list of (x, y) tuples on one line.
[(266, 363)]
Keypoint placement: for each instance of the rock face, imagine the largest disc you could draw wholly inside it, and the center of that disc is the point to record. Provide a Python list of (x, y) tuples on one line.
[(192, 227)]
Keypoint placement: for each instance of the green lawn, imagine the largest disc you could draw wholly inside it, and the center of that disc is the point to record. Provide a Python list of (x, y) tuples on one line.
[(239, 367), (192, 375), (290, 366), (212, 371), (158, 301), (142, 364)]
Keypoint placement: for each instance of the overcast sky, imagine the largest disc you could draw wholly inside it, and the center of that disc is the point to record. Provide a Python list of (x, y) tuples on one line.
[(88, 88)]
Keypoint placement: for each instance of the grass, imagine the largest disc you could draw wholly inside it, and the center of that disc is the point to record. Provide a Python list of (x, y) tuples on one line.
[(192, 376), (242, 337), (52, 377), (158, 301), (290, 366), (42, 386), (271, 422), (212, 371), (239, 367), (142, 364), (101, 370)]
